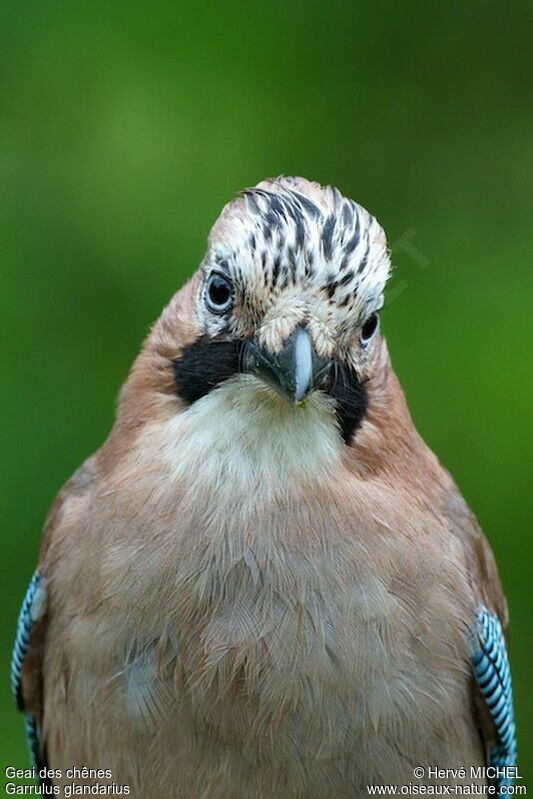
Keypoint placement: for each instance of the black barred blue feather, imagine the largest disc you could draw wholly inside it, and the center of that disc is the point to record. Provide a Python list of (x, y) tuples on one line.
[(493, 677), (22, 639), (29, 613), (32, 738)]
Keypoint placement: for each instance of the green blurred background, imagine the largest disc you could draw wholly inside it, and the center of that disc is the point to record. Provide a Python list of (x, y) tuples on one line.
[(124, 127)]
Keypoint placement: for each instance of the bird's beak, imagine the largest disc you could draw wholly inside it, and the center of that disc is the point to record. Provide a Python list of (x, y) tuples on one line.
[(294, 371)]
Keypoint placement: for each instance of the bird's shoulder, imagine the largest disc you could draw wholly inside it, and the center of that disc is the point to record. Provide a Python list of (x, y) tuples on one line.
[(31, 678), (480, 561), (492, 688), (81, 481)]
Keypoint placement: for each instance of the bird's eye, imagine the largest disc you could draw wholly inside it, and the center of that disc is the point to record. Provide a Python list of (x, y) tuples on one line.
[(219, 294), (369, 328)]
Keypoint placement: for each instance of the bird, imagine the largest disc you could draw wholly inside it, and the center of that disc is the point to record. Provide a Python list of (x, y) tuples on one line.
[(264, 583)]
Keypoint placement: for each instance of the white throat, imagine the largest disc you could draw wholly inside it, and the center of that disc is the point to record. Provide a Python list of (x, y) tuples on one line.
[(243, 439)]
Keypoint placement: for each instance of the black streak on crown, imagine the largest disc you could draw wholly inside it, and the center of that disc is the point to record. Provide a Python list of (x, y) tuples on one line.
[(327, 236), (278, 209)]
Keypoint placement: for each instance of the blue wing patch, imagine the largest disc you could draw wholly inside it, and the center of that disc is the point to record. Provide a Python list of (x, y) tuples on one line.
[(493, 677), (31, 611)]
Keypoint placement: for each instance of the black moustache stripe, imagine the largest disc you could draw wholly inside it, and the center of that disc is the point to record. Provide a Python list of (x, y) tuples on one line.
[(351, 399), (203, 366), (206, 364)]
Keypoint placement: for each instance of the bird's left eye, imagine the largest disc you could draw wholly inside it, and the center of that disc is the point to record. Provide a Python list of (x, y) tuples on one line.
[(369, 328), (219, 294)]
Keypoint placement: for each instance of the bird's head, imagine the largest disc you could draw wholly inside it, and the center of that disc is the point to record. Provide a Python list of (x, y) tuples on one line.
[(285, 305)]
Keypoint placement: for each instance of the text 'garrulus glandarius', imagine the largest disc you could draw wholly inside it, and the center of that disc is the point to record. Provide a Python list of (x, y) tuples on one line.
[(264, 585)]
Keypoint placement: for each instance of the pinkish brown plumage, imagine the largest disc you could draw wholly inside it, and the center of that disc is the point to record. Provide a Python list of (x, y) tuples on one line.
[(249, 596)]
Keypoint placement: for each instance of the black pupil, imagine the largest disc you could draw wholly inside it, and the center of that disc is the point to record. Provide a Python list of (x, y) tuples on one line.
[(219, 291), (369, 326)]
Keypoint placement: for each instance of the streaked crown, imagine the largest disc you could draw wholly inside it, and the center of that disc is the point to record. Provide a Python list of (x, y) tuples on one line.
[(298, 253)]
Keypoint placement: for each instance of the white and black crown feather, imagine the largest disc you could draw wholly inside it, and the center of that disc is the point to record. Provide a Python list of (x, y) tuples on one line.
[(290, 234)]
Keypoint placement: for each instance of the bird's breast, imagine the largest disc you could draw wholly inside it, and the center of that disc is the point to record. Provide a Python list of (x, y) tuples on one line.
[(306, 624), (287, 624), (274, 591)]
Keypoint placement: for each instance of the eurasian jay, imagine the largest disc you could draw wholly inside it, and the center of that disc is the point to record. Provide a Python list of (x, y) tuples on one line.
[(264, 584)]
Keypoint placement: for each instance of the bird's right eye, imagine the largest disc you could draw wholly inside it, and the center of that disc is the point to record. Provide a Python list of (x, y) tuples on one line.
[(219, 294)]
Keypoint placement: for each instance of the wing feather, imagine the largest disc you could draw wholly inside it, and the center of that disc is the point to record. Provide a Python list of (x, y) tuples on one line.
[(493, 694), (31, 612), (30, 638), (493, 677)]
